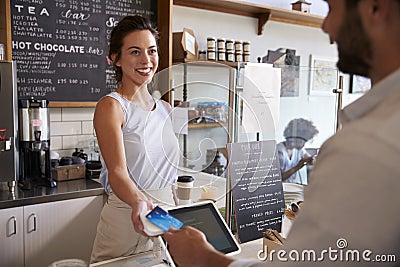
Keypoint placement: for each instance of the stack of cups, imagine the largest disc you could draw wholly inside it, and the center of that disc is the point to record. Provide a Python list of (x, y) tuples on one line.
[(184, 188), (211, 48), (246, 51), (238, 51)]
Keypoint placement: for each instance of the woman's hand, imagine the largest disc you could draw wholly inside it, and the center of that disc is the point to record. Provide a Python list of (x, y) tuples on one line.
[(138, 207)]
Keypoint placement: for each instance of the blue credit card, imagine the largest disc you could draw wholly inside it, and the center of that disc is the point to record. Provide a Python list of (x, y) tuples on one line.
[(163, 219)]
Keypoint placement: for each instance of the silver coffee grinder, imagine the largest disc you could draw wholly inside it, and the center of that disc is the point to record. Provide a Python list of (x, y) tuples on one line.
[(34, 129)]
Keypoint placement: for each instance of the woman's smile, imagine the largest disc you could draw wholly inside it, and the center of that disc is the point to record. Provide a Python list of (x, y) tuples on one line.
[(144, 71)]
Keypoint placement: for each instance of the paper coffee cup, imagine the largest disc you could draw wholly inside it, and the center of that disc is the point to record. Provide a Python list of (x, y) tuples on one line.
[(184, 188)]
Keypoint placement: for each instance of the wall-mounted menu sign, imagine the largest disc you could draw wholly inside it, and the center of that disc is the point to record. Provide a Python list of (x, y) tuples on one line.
[(256, 184), (60, 46)]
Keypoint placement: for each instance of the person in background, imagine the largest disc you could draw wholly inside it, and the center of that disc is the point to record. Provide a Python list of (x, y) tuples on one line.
[(138, 147), (292, 154), (356, 179)]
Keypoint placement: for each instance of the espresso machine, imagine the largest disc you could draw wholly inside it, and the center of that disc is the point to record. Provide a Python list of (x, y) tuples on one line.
[(34, 136), (8, 126)]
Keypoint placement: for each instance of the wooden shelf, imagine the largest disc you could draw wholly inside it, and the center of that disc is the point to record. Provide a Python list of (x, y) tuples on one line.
[(209, 62), (261, 12), (206, 125), (56, 104)]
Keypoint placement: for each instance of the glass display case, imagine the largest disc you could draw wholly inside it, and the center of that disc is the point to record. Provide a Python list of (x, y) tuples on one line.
[(213, 96), (203, 90)]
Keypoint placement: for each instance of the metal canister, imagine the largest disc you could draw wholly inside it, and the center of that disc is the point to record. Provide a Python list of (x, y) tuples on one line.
[(34, 120)]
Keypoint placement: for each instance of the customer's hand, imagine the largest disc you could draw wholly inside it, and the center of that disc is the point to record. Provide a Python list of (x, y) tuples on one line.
[(140, 205), (304, 161), (189, 247), (307, 160)]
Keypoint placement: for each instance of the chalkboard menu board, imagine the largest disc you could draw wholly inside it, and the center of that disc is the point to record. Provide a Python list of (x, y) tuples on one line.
[(60, 46), (256, 185)]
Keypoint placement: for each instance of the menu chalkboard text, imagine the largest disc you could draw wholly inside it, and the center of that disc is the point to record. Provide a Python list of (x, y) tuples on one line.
[(257, 188), (61, 48)]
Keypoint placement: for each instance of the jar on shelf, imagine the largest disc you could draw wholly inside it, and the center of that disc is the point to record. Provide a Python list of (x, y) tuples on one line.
[(246, 57), (238, 56), (211, 55), (230, 55), (221, 44), (221, 55), (202, 55), (211, 43), (238, 46), (246, 46), (229, 45)]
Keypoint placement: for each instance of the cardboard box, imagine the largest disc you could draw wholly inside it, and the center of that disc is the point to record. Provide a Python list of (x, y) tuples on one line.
[(184, 46), (69, 172)]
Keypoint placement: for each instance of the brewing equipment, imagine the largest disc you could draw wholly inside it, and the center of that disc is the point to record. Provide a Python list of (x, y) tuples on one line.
[(8, 124), (34, 133)]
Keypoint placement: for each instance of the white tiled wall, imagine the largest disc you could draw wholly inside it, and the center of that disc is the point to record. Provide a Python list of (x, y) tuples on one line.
[(71, 128)]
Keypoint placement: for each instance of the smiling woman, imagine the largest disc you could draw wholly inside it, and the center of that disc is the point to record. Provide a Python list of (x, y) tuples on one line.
[(136, 63), (137, 143)]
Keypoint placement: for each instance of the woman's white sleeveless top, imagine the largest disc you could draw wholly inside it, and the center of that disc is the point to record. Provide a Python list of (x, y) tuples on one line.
[(151, 147)]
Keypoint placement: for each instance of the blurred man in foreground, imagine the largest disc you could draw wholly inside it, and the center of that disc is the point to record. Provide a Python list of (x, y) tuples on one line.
[(356, 178)]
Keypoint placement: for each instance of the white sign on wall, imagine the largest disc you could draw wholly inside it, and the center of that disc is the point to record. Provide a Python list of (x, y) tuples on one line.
[(261, 98)]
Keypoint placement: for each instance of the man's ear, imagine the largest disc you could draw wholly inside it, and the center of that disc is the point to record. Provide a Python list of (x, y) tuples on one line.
[(378, 10), (374, 14)]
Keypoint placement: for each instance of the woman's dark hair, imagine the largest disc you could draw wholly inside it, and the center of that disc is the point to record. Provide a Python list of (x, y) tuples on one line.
[(300, 128), (124, 27)]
